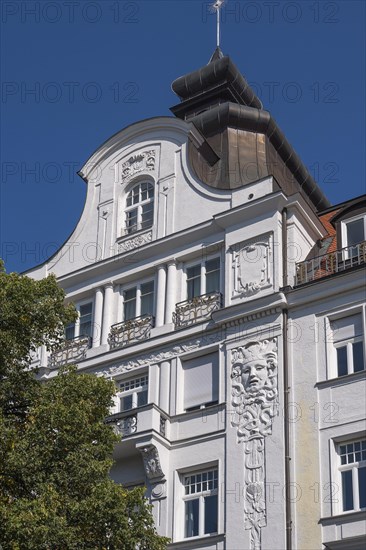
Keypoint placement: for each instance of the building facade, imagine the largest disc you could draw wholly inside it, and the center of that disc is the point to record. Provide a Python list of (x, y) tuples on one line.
[(224, 295)]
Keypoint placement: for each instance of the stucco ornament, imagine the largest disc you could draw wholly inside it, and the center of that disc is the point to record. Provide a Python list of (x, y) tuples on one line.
[(139, 162), (252, 266), (255, 401), (135, 242), (150, 456)]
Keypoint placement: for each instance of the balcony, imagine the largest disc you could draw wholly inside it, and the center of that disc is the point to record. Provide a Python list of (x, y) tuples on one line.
[(71, 351), (329, 264), (148, 418), (198, 308), (130, 331)]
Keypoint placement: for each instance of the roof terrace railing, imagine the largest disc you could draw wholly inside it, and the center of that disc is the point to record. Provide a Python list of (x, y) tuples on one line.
[(329, 264)]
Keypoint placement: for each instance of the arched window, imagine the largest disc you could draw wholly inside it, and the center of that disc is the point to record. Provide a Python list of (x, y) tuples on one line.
[(140, 207)]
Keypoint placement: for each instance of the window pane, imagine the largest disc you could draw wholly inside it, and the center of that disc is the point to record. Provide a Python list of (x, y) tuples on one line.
[(193, 272), (342, 360), (69, 331), (129, 305), (347, 491), (126, 403), (147, 215), (131, 221), (147, 298), (193, 281), (355, 232), (191, 518), (211, 514), (362, 486), (212, 281), (142, 398), (358, 360), (86, 319)]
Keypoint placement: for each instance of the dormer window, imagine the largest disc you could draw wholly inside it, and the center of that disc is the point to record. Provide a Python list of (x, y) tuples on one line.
[(139, 208), (355, 231)]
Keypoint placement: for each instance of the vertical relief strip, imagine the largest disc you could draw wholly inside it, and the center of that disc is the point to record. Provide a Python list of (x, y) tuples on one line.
[(255, 401)]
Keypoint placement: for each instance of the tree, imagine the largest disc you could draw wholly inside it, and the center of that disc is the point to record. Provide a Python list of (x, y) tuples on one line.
[(55, 448)]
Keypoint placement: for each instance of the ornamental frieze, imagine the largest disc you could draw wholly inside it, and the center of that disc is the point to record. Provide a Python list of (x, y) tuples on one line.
[(162, 355)]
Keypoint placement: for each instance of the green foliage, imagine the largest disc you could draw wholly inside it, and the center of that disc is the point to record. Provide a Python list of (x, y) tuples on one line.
[(55, 448)]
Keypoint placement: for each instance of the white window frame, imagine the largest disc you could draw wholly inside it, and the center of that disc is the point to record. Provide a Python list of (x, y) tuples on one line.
[(344, 224), (349, 345), (180, 526), (138, 206), (124, 288), (77, 321), (331, 346), (202, 263), (135, 386), (354, 466)]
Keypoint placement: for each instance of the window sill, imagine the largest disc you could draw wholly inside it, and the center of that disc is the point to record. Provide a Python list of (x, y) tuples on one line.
[(197, 542), (339, 380), (352, 515)]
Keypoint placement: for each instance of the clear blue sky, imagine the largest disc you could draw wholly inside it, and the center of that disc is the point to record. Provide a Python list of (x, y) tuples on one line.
[(97, 66)]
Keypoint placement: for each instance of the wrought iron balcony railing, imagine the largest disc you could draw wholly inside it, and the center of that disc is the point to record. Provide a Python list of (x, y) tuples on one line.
[(71, 351), (200, 307), (329, 264), (128, 332)]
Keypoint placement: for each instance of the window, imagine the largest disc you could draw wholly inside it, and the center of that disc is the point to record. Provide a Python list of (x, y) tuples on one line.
[(352, 457), (353, 233), (83, 325), (348, 344), (139, 207), (200, 503), (133, 393), (203, 278), (201, 381), (138, 301)]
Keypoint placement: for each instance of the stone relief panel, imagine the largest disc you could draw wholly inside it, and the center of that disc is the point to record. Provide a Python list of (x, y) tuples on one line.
[(150, 456), (252, 266), (135, 242), (255, 401), (143, 161)]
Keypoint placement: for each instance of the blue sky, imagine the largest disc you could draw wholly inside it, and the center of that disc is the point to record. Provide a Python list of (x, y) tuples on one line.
[(74, 72)]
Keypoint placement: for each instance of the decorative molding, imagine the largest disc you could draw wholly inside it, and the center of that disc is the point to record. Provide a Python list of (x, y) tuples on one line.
[(158, 490), (150, 456), (139, 162), (255, 401), (135, 242), (163, 355), (252, 266), (125, 426)]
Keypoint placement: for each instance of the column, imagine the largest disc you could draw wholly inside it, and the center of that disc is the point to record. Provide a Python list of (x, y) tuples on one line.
[(98, 312), (171, 293), (107, 312), (160, 296), (164, 397)]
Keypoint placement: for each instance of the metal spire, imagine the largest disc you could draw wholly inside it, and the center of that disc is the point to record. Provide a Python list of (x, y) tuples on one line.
[(217, 6)]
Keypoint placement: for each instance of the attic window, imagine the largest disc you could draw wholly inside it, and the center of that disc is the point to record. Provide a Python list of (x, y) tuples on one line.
[(139, 210), (355, 231)]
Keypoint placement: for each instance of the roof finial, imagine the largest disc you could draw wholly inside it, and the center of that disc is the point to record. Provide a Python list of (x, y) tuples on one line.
[(217, 6)]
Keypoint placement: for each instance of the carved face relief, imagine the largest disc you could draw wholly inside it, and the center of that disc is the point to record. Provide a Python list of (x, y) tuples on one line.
[(254, 375)]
